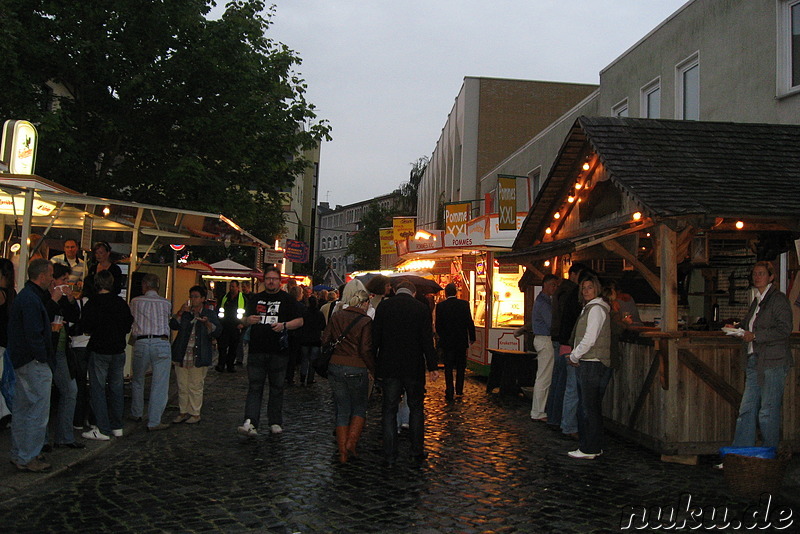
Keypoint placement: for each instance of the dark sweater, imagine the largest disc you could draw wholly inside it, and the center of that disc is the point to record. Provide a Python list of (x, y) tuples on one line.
[(107, 318)]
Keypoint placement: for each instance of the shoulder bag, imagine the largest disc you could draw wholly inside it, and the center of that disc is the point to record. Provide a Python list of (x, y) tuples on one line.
[(325, 354)]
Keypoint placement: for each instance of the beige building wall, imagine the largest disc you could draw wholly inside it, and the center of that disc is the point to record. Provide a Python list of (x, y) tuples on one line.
[(490, 118), (736, 45)]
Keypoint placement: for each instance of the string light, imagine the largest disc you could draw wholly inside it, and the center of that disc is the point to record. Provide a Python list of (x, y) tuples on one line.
[(570, 199), (739, 225), (557, 215), (547, 263), (637, 216), (577, 186), (586, 166), (548, 231)]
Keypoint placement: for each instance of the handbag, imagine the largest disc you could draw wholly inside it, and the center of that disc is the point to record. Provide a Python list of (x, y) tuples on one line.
[(325, 354)]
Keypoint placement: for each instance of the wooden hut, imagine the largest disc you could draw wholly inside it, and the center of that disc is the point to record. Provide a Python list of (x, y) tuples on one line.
[(684, 208)]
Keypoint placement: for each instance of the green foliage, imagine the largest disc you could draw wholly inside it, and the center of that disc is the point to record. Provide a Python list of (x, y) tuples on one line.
[(408, 190), (157, 104), (365, 245)]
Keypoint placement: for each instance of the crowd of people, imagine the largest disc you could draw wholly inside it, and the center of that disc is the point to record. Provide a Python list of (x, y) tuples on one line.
[(65, 333)]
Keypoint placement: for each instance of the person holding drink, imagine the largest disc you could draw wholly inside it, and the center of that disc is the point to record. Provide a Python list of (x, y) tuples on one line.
[(192, 352)]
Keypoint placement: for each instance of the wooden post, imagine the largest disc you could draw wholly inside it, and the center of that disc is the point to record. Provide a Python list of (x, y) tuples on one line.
[(673, 407)]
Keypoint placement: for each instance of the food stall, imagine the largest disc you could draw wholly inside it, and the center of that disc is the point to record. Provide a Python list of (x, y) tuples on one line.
[(685, 208), (467, 258)]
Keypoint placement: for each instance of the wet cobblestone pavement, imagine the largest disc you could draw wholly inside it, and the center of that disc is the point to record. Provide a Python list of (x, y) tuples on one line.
[(490, 469)]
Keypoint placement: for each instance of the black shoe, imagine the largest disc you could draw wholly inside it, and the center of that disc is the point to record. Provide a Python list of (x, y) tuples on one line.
[(449, 397), (220, 369), (134, 419), (73, 445), (238, 363), (47, 448), (231, 369)]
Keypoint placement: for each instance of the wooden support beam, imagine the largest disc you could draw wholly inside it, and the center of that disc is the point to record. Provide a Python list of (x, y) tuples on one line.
[(710, 377), (614, 246), (644, 392), (667, 241)]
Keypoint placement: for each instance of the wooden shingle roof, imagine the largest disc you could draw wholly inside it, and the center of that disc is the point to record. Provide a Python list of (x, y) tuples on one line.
[(701, 168), (676, 168)]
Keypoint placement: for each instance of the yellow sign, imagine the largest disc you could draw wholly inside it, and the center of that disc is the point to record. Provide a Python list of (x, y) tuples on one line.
[(507, 202), (456, 217), (404, 227), (387, 241)]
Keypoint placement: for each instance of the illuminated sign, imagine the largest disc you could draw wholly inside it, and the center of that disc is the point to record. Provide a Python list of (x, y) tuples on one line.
[(387, 241), (40, 208), (177, 248), (18, 148), (507, 193)]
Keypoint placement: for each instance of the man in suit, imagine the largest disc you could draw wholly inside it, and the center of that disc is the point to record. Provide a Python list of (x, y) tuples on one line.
[(403, 338), (456, 333)]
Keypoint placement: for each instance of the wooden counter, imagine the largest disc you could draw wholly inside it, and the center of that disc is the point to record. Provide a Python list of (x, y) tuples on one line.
[(680, 395)]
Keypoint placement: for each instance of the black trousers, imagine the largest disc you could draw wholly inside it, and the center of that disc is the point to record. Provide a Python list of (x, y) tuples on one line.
[(415, 394), (227, 344), (454, 360)]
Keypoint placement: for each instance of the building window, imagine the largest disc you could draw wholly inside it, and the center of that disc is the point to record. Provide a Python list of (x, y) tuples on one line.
[(333, 264), (621, 109), (788, 47), (687, 85), (534, 184), (651, 100)]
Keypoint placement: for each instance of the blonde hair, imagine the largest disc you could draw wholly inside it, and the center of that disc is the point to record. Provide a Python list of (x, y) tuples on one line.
[(358, 297)]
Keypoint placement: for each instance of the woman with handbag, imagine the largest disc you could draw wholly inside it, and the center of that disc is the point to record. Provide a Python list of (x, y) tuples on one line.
[(351, 360)]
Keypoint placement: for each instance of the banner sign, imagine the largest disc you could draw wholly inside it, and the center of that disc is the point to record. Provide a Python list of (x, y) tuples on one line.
[(296, 251), (404, 227), (387, 241), (456, 216), (507, 202)]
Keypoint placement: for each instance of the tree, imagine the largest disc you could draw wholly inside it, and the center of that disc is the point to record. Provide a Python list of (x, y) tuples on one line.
[(408, 190), (150, 101), (365, 246)]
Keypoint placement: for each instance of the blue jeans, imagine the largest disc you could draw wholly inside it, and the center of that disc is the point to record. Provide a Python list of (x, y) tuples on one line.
[(260, 367), (67, 397), (31, 411), (555, 397), (155, 353), (760, 404), (569, 414), (107, 402), (350, 387), (308, 354), (415, 394), (593, 378)]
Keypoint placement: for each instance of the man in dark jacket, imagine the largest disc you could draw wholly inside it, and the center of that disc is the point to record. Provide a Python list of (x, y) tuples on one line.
[(30, 347), (562, 400), (456, 332), (403, 338)]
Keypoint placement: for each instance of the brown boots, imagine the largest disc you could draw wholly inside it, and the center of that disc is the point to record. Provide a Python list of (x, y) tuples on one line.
[(356, 427), (341, 442), (347, 438)]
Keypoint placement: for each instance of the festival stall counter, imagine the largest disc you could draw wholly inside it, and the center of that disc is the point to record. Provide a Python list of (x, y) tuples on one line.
[(684, 209)]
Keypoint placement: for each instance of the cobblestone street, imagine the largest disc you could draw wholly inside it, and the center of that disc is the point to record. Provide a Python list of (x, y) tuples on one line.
[(490, 469)]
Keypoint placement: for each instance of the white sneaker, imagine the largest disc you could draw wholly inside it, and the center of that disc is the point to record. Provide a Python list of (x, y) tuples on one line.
[(276, 429), (247, 429), (95, 434), (579, 454), (117, 432)]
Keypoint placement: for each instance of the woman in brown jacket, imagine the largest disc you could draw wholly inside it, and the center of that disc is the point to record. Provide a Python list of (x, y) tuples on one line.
[(347, 372)]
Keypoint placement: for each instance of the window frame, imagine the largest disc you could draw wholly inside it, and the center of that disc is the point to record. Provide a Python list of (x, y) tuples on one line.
[(681, 69), (619, 107), (783, 82), (648, 89)]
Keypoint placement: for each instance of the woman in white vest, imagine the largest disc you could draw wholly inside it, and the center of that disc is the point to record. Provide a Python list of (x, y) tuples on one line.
[(591, 356)]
